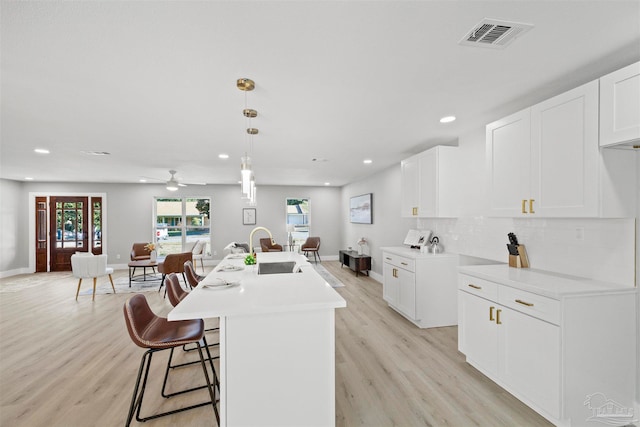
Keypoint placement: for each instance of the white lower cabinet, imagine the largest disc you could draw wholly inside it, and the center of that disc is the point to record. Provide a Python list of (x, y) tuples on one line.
[(421, 287), (519, 349), (400, 289), (552, 353), (529, 358)]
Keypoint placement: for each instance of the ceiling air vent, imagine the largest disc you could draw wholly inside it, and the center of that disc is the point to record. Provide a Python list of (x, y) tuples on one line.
[(494, 33)]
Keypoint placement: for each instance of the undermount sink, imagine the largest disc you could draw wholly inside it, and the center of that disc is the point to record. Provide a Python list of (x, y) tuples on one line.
[(276, 267)]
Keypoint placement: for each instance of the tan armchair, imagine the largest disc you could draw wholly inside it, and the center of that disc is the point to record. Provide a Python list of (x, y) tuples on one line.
[(312, 244), (268, 246), (173, 263), (139, 252)]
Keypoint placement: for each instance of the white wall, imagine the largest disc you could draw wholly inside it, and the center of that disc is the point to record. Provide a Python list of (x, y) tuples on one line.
[(388, 228), (13, 236), (129, 216)]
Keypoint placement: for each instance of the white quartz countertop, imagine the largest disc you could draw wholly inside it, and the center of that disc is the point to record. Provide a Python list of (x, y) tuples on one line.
[(553, 285), (251, 293), (407, 252)]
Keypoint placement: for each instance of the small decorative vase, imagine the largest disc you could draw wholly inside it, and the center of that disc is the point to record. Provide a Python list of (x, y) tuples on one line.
[(153, 256)]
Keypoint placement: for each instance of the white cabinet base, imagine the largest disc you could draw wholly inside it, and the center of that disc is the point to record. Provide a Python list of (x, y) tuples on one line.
[(421, 287), (552, 341), (278, 369)]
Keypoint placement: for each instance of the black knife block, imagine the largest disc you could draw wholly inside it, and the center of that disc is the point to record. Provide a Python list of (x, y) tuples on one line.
[(521, 260)]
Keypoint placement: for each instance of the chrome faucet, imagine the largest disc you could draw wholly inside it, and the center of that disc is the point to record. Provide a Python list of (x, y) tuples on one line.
[(251, 237)]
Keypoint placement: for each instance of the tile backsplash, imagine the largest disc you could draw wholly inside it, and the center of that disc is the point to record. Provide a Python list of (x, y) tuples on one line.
[(600, 249)]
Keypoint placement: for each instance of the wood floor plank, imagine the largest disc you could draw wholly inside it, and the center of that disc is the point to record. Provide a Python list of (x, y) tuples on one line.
[(71, 364)]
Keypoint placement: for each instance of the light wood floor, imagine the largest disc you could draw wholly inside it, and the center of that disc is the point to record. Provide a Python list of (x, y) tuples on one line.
[(66, 363)]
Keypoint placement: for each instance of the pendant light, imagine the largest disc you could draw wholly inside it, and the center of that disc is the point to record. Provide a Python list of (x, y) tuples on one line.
[(248, 181)]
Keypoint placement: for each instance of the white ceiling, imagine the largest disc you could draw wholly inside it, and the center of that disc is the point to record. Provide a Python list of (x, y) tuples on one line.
[(154, 82)]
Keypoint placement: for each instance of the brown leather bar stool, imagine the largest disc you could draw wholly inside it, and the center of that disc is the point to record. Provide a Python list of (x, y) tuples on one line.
[(192, 277), (156, 334), (173, 263), (177, 294)]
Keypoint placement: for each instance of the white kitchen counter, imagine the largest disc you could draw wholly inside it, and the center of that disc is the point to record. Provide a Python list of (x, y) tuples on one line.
[(415, 253), (255, 294), (277, 342), (552, 285)]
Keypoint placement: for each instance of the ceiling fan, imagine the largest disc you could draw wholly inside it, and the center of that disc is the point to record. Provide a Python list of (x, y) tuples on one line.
[(173, 184)]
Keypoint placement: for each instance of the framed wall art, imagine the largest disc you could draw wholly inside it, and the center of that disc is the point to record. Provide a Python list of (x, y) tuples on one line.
[(249, 216)]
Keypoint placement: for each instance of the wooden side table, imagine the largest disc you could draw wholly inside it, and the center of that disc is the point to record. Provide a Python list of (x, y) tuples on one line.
[(356, 262)]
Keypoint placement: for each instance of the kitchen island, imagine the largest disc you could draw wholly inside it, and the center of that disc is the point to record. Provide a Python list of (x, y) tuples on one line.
[(277, 340)]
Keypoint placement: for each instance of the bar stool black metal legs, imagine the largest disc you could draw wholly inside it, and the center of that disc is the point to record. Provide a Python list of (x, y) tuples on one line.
[(156, 334)]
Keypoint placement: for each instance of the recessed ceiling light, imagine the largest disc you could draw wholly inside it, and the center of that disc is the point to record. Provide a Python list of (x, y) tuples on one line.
[(223, 156), (327, 183), (143, 180), (41, 151), (28, 178), (367, 161), (448, 119)]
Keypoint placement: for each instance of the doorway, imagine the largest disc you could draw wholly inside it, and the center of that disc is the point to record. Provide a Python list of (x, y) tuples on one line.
[(74, 224), (68, 233)]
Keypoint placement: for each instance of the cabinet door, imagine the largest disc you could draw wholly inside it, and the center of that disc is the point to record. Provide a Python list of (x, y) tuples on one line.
[(406, 292), (428, 183), (620, 106), (529, 358), (390, 284), (409, 180), (508, 164), (477, 332), (565, 154)]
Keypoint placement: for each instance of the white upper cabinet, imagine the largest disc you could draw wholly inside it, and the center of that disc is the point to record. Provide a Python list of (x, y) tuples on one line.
[(565, 153), (620, 106), (409, 179), (509, 164), (428, 183), (545, 161)]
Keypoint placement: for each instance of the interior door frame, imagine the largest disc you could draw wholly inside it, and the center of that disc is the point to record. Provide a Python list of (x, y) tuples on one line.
[(32, 220)]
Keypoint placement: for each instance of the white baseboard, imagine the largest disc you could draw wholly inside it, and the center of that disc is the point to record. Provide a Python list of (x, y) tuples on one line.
[(15, 272)]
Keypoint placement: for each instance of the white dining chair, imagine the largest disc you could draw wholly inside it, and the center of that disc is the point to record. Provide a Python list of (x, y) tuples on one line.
[(88, 266), (197, 253)]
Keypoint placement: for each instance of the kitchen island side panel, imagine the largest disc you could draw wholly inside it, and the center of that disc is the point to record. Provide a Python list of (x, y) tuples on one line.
[(278, 369)]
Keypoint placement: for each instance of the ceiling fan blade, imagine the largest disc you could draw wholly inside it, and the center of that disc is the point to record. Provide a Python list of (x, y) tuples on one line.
[(152, 179)]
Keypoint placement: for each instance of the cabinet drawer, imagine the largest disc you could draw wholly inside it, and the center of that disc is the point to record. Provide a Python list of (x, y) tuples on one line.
[(532, 304), (476, 286), (399, 261)]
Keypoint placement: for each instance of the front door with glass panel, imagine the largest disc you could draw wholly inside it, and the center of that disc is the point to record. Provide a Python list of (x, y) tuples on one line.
[(69, 230)]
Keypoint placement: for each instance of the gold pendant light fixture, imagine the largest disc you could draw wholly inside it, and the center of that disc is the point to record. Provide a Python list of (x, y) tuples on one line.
[(248, 180)]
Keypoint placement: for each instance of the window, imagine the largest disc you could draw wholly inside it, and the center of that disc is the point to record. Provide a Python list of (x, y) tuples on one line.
[(298, 219), (180, 223)]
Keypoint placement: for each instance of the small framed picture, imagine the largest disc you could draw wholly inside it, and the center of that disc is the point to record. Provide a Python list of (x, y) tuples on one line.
[(249, 216)]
